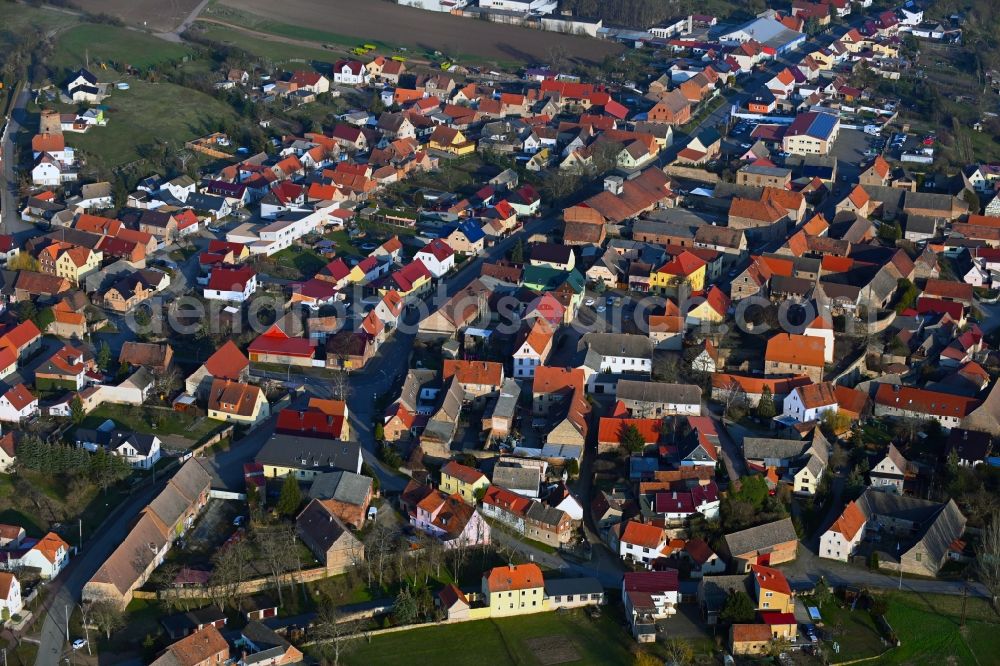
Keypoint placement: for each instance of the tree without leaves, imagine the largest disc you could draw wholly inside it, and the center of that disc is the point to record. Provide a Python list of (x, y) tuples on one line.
[(335, 636), (276, 550), (988, 558), (378, 549), (733, 399), (108, 617), (231, 568), (679, 652)]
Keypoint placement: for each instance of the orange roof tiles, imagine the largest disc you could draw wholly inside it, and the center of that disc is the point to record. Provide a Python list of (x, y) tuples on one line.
[(850, 521), (550, 379), (796, 349), (19, 397), (817, 395), (858, 197), (49, 546), (611, 430), (514, 577), (684, 264), (488, 373), (643, 534)]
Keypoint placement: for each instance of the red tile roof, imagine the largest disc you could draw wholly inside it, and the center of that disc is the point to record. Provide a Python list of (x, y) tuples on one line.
[(922, 401), (796, 349), (514, 577), (770, 579)]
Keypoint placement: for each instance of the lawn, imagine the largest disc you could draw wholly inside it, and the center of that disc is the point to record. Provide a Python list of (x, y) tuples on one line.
[(855, 631), (344, 243), (110, 44), (498, 642), (296, 263), (928, 627), (145, 113), (160, 422)]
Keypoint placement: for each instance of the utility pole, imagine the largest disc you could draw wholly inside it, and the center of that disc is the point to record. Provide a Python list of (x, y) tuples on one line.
[(965, 599), (66, 607), (80, 522)]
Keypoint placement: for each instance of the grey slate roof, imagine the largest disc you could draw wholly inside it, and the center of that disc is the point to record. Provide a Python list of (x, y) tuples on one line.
[(620, 344), (565, 586), (346, 487), (516, 478), (759, 448), (318, 455), (658, 392), (760, 537)]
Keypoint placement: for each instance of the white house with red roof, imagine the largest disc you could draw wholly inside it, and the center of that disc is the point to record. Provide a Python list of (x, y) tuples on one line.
[(437, 256), (350, 72), (312, 81), (640, 542), (234, 285), (10, 595), (842, 538), (649, 596), (49, 555), (18, 404)]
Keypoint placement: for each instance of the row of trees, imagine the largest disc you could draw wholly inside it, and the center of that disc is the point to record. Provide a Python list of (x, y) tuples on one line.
[(102, 468)]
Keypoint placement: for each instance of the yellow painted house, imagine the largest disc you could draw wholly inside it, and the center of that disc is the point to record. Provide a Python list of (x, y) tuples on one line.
[(237, 402), (712, 307), (685, 270), (464, 481), (72, 262), (824, 58), (451, 140), (771, 590), (515, 590)]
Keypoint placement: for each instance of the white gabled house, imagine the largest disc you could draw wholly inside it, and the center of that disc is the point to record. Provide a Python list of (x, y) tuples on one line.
[(534, 348), (842, 539), (10, 596), (437, 256), (810, 402), (18, 404), (234, 285)]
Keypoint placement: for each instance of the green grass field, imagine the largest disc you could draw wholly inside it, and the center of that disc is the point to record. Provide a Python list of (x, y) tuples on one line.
[(109, 43), (929, 629), (296, 263), (167, 423), (145, 113), (19, 18), (500, 642)]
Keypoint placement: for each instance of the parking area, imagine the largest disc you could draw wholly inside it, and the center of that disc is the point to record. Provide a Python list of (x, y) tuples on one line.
[(853, 149), (214, 526)]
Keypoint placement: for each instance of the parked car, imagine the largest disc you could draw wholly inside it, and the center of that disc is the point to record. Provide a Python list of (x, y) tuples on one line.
[(79, 644)]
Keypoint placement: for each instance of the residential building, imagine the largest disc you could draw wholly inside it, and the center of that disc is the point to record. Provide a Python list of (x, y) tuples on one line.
[(466, 482), (237, 402), (514, 590), (767, 544), (649, 596), (328, 538)]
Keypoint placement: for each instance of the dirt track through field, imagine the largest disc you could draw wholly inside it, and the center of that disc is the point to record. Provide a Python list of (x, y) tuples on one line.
[(395, 24), (158, 15)]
